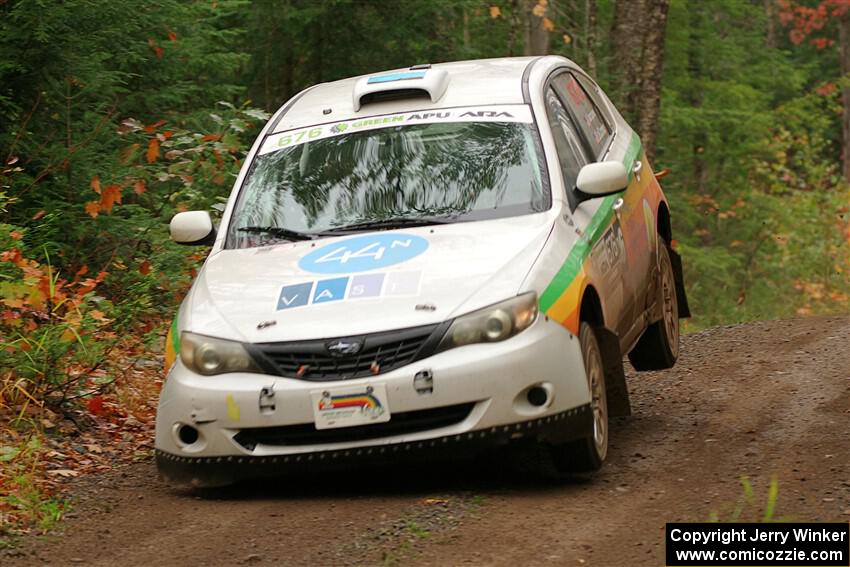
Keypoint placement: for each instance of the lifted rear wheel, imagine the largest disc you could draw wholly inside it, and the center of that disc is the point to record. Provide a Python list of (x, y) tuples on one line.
[(658, 348)]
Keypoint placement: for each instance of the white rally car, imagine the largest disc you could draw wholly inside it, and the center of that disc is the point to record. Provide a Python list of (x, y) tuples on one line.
[(439, 258)]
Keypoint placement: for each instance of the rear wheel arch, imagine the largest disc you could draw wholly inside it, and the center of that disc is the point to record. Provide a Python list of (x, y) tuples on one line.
[(663, 226)]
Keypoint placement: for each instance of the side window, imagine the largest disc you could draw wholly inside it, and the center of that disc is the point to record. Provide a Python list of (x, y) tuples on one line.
[(597, 96), (571, 154), (590, 121)]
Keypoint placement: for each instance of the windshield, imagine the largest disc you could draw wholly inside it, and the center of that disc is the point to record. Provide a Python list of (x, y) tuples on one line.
[(324, 180)]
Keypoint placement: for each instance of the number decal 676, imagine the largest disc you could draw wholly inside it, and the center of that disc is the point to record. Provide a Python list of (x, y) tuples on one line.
[(299, 136)]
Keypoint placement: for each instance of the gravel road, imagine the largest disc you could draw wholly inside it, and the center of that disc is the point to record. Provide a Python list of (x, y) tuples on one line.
[(763, 400)]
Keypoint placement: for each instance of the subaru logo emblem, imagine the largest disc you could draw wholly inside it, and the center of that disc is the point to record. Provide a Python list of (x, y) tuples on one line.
[(344, 347)]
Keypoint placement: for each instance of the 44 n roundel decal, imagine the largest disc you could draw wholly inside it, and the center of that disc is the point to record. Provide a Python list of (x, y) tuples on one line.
[(363, 253)]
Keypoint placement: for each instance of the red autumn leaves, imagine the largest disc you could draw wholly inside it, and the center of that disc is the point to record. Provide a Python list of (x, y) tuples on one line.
[(810, 22), (109, 195), (159, 51), (112, 194), (163, 156), (153, 150)]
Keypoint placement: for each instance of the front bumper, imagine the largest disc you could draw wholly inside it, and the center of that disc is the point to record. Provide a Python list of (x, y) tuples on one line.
[(489, 381)]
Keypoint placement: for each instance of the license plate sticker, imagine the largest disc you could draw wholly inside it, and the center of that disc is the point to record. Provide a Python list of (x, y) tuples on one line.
[(350, 406)]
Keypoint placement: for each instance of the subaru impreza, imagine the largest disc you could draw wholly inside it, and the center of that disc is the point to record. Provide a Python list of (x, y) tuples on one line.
[(437, 259)]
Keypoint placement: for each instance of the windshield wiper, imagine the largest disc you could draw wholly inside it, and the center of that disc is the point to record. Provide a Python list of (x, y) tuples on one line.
[(390, 223), (282, 232)]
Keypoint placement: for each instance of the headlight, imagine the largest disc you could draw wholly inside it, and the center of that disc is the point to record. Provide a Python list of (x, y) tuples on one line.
[(209, 356), (492, 324)]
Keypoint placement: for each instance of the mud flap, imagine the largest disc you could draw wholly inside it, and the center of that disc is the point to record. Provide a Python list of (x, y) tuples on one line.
[(682, 300), (615, 377)]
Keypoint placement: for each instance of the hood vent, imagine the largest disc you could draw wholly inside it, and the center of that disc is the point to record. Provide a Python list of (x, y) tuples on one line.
[(415, 83)]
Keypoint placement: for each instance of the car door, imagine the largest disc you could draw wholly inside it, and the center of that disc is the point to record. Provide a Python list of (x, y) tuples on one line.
[(636, 212), (608, 251)]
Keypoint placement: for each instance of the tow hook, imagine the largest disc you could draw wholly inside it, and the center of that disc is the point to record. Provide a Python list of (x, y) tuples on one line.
[(267, 405), (423, 382), (201, 416)]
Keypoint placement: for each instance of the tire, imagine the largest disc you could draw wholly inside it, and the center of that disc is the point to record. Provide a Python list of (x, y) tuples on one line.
[(588, 454), (658, 348)]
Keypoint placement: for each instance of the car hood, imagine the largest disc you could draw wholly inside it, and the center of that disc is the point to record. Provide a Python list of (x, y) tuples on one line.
[(363, 283)]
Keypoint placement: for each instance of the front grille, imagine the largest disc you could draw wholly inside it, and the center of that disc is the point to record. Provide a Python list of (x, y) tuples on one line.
[(381, 352), (399, 424)]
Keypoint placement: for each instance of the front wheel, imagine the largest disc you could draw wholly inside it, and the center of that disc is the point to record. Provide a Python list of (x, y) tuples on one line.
[(587, 454), (658, 348)]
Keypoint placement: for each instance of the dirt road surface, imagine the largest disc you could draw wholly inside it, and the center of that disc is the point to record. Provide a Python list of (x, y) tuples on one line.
[(767, 399)]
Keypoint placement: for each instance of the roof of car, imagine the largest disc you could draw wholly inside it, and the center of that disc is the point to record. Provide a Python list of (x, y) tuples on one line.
[(478, 82)]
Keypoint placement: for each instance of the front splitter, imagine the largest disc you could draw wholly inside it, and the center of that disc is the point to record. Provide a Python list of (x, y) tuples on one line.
[(561, 427)]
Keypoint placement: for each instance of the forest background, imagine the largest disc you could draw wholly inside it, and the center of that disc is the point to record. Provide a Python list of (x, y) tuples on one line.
[(115, 115)]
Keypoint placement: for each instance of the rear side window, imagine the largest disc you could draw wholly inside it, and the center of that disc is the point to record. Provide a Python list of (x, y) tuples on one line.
[(571, 154), (590, 121), (597, 96)]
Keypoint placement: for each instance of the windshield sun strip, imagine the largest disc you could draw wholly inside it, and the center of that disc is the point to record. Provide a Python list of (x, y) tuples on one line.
[(274, 132), (516, 113)]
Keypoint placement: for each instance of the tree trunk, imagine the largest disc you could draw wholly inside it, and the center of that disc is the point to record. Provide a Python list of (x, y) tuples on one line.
[(844, 41), (466, 42), (536, 36), (649, 101), (637, 33), (68, 140), (770, 15), (695, 96), (516, 18), (627, 32), (590, 35)]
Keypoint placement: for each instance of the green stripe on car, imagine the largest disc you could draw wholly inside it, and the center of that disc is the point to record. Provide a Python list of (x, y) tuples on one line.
[(598, 223), (175, 336)]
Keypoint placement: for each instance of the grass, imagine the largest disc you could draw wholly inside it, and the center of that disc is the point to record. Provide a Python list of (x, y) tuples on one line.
[(27, 502), (748, 509), (477, 500), (416, 530)]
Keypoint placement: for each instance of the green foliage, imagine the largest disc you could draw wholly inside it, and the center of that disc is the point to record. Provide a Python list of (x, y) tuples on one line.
[(50, 329), (111, 120), (750, 136), (298, 43)]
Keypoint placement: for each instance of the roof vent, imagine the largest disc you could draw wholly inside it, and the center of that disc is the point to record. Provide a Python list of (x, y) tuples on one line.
[(402, 84)]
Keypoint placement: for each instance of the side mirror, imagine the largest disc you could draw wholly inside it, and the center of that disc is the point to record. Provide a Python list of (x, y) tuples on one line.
[(601, 178), (192, 228)]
